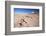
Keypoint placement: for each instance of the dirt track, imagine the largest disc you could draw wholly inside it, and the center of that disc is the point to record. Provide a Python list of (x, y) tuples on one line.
[(27, 20)]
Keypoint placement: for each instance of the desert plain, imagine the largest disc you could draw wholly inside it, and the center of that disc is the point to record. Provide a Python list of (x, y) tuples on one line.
[(26, 20)]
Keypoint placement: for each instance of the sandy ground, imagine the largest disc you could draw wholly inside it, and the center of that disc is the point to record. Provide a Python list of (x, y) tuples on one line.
[(26, 20)]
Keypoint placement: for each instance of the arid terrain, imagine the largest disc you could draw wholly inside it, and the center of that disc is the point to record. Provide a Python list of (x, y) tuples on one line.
[(26, 20)]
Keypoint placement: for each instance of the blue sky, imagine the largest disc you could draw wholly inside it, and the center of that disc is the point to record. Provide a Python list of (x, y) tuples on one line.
[(24, 11)]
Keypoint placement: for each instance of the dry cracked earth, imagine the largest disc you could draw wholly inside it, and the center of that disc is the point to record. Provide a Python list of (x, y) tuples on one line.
[(26, 20)]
